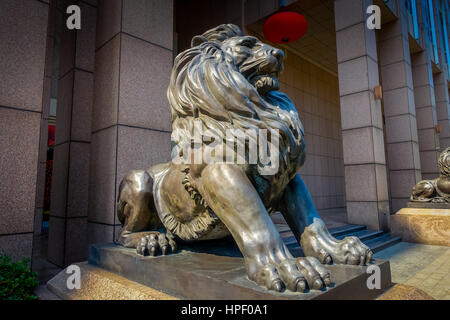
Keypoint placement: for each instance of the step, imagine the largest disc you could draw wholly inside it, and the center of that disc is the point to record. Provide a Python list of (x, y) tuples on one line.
[(363, 235), (338, 231), (290, 240), (380, 243), (296, 252), (375, 240), (293, 245), (376, 244)]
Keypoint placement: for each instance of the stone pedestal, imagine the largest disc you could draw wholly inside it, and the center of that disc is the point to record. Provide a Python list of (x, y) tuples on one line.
[(190, 274), (422, 225)]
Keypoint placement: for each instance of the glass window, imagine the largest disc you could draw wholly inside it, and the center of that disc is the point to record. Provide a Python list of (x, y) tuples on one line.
[(444, 19), (433, 30), (414, 24), (415, 20)]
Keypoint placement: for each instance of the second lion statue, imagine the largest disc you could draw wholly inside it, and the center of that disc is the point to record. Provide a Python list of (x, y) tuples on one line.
[(229, 81)]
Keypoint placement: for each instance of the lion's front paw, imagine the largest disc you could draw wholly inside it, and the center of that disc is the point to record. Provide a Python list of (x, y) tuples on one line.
[(294, 274), (351, 250), (154, 244), (316, 241)]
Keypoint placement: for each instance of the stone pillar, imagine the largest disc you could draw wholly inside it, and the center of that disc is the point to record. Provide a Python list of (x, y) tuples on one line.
[(23, 38), (425, 103), (49, 78), (441, 85), (403, 157), (361, 118), (131, 120), (426, 114), (442, 108), (69, 203)]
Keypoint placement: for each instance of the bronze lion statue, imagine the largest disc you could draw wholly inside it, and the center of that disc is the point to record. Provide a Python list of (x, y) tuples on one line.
[(228, 81), (437, 190)]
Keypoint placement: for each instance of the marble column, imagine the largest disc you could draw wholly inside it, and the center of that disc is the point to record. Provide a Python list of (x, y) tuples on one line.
[(23, 44), (131, 120), (402, 145), (362, 127)]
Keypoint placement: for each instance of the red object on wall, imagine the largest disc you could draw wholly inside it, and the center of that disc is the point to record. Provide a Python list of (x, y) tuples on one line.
[(285, 27)]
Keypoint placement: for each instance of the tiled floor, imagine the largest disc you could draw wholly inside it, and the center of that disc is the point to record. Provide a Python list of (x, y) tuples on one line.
[(422, 266)]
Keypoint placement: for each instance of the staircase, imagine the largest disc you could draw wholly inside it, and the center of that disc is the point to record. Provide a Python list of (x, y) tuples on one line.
[(375, 240)]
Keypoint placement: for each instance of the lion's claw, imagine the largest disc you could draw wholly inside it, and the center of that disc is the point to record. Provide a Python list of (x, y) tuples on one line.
[(293, 274), (154, 244), (316, 241), (277, 285)]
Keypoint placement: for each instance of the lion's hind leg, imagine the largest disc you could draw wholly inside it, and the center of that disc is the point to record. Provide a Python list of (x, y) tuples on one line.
[(136, 211)]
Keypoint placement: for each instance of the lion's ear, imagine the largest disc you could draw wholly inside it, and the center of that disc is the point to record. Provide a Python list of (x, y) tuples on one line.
[(198, 40)]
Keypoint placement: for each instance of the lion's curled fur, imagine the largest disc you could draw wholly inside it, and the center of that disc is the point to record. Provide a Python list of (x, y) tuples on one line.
[(205, 85)]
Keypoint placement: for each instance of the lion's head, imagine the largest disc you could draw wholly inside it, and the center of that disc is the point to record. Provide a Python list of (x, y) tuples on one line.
[(229, 81), (258, 62), (444, 162)]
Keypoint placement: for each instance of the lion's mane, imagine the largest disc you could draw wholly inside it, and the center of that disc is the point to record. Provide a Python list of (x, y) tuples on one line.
[(444, 162), (206, 85)]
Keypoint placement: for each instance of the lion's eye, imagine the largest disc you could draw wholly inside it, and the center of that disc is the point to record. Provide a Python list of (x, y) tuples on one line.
[(247, 43)]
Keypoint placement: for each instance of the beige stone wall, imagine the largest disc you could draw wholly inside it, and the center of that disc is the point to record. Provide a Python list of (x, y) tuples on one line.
[(315, 93)]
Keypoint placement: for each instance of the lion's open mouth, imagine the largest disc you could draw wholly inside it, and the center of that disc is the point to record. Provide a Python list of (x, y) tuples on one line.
[(265, 83)]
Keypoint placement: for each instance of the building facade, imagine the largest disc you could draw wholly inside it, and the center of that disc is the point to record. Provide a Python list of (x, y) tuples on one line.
[(374, 104)]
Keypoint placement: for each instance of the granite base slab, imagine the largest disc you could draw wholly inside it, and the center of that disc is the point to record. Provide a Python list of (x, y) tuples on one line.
[(189, 274)]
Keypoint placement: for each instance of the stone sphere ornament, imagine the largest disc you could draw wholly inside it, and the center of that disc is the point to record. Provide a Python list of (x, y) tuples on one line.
[(285, 27)]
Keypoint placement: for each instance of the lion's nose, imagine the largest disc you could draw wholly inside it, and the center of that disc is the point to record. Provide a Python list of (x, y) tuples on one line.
[(277, 53)]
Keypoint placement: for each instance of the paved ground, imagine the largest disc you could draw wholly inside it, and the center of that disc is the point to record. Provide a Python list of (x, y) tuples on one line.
[(422, 266)]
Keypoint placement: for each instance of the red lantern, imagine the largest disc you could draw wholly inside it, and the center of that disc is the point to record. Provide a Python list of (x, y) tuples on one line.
[(285, 27), (51, 135)]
